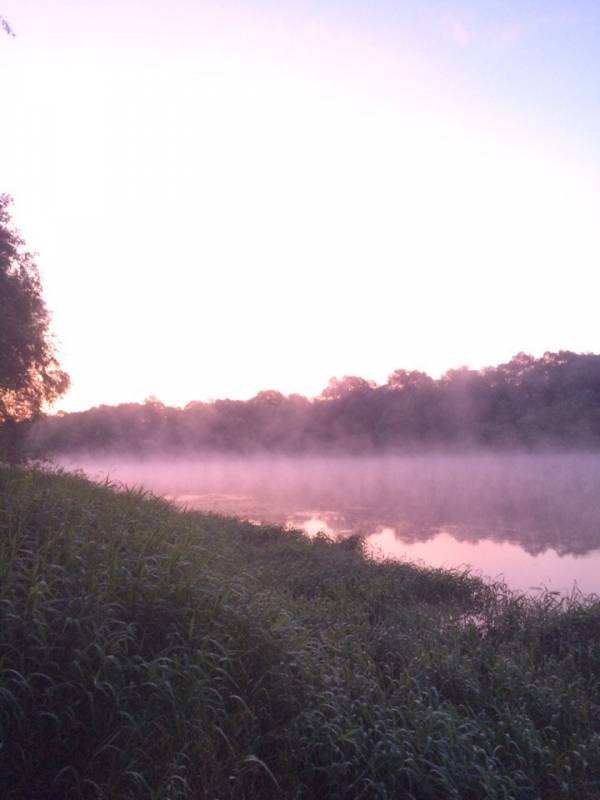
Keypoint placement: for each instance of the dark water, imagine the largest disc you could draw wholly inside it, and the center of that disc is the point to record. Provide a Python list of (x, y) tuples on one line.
[(533, 520)]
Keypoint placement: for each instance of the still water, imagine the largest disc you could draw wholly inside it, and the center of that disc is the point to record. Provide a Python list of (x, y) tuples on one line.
[(531, 520)]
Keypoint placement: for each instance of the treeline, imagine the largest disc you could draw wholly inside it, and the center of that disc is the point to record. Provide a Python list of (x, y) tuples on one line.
[(553, 400)]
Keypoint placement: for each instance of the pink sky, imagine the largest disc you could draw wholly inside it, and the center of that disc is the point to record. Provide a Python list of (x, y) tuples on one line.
[(228, 197)]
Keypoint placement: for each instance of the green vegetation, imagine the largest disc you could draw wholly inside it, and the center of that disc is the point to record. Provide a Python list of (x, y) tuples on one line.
[(531, 403), (150, 653), (30, 376)]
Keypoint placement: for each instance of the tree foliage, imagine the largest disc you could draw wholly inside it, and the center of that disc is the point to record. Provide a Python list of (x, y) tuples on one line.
[(527, 402), (30, 375)]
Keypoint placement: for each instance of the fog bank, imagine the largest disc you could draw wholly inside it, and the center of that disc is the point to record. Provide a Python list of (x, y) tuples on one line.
[(538, 501)]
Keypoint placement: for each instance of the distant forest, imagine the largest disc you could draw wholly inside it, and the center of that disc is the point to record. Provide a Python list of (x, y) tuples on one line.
[(532, 402)]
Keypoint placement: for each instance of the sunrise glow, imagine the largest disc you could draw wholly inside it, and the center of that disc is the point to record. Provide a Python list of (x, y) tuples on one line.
[(229, 197)]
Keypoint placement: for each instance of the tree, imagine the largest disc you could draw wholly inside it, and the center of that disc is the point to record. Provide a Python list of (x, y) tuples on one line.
[(337, 389), (30, 376)]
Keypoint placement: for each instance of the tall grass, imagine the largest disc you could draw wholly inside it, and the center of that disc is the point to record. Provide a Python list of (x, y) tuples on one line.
[(150, 653)]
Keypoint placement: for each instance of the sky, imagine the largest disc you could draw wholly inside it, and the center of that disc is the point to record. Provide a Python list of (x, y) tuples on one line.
[(232, 196)]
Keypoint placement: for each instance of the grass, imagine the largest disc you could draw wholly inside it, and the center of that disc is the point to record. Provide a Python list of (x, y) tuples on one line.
[(150, 653)]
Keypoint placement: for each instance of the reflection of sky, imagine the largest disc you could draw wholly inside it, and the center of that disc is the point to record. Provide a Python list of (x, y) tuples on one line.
[(263, 194), (497, 560), (310, 524), (491, 559)]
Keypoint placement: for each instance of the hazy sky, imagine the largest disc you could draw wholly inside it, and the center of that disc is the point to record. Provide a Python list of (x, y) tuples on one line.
[(233, 196)]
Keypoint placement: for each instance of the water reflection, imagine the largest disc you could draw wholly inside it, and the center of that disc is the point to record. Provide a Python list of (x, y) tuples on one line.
[(535, 519), (498, 560)]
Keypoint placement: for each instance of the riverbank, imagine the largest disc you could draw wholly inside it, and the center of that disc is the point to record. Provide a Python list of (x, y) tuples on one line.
[(153, 653)]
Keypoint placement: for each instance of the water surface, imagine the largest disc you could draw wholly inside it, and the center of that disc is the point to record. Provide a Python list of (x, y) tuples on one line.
[(532, 520)]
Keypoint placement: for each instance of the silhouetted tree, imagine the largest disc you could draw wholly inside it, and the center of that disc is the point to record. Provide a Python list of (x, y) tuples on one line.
[(29, 372)]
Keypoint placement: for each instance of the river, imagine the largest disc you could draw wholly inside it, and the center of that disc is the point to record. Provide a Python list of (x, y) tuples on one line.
[(530, 520)]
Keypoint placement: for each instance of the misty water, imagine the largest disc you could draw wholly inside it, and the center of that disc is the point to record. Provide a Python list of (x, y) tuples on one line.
[(531, 520)]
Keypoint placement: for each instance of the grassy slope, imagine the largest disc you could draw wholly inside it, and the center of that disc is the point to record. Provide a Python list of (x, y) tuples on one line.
[(155, 654)]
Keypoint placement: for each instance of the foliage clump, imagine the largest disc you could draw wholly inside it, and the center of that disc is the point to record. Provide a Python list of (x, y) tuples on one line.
[(146, 652), (30, 375)]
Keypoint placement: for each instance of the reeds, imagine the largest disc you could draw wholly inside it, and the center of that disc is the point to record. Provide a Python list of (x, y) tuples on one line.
[(150, 653)]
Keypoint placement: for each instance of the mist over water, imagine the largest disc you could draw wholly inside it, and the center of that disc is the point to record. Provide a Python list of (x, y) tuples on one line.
[(532, 519)]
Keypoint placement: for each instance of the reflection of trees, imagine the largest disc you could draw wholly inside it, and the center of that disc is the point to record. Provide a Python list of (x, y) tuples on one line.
[(535, 533), (536, 502)]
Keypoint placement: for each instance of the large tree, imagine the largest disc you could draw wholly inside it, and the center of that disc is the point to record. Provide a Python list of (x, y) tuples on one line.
[(30, 376)]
